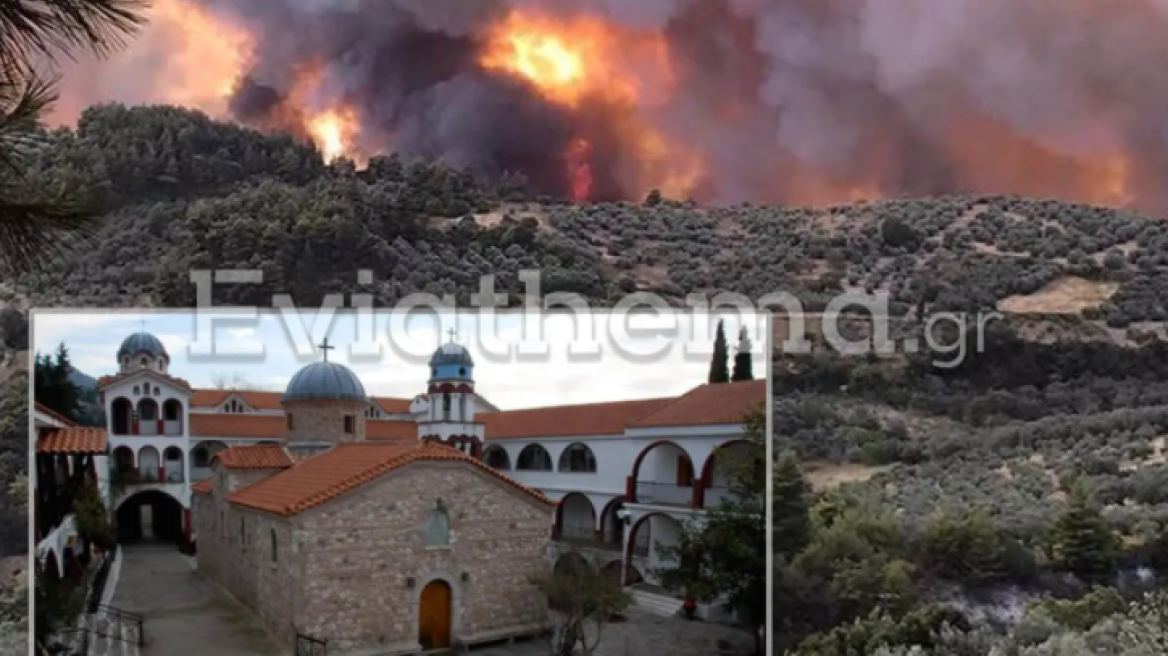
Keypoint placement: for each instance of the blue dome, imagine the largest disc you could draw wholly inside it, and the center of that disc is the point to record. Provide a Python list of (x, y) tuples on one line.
[(142, 342), (451, 353), (325, 380)]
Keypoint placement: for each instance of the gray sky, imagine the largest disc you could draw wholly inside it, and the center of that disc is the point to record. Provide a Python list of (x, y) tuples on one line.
[(631, 357)]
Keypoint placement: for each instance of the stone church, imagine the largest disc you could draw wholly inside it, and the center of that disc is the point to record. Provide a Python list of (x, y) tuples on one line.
[(379, 546)]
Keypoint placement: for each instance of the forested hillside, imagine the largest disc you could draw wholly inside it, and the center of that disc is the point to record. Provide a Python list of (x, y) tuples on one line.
[(1036, 467)]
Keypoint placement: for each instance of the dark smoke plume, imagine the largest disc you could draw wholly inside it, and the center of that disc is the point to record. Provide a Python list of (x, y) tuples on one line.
[(786, 100)]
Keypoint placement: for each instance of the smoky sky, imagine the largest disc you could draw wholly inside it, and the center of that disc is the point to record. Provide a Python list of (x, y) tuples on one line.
[(785, 100)]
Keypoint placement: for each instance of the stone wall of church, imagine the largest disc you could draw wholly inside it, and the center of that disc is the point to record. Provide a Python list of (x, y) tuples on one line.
[(359, 553), (235, 550), (317, 421)]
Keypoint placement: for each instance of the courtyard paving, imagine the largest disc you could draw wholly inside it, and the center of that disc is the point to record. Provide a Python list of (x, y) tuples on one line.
[(649, 635), (185, 614)]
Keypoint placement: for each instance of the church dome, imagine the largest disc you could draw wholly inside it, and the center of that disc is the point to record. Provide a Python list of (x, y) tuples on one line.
[(142, 342), (325, 380), (451, 353)]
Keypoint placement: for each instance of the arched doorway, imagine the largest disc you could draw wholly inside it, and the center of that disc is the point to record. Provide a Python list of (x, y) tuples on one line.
[(150, 515), (496, 457), (645, 535), (173, 469), (123, 459), (434, 616), (122, 411), (664, 474), (172, 417), (612, 527), (576, 518), (724, 465), (148, 464), (148, 417)]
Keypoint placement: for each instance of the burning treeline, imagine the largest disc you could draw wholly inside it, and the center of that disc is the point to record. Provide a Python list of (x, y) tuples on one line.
[(800, 101)]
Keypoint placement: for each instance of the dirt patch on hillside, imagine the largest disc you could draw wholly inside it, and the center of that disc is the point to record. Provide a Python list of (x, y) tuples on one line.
[(1070, 295), (824, 476)]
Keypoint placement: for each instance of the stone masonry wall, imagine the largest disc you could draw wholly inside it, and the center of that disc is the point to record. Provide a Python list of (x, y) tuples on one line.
[(235, 551), (358, 552), (317, 421)]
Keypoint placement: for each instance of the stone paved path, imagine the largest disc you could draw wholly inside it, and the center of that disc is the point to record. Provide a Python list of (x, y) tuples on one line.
[(649, 635), (186, 615)]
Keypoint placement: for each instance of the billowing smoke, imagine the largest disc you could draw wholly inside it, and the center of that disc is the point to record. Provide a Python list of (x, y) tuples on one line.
[(740, 100)]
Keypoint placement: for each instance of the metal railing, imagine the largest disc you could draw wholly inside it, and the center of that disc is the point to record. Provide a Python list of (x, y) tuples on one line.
[(307, 645), (110, 622), (668, 494)]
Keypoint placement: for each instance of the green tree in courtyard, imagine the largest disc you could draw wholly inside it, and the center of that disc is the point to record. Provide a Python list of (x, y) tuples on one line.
[(725, 554), (1081, 542), (719, 364), (743, 361), (52, 386)]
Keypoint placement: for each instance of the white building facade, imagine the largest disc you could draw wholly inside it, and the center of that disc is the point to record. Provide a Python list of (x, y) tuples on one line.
[(626, 474)]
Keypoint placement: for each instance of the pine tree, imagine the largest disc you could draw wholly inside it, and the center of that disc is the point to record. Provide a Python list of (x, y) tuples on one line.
[(719, 365), (1081, 542), (52, 387), (743, 361), (791, 509)]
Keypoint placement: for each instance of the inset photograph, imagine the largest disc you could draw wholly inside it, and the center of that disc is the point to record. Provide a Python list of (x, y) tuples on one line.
[(392, 484)]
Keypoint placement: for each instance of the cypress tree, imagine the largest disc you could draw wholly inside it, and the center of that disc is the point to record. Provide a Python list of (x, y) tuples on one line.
[(51, 384), (743, 362), (1081, 541), (719, 365), (791, 511)]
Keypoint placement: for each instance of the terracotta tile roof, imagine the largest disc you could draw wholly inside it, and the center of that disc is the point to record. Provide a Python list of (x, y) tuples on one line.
[(204, 486), (40, 407), (106, 381), (567, 420), (348, 466), (381, 429), (242, 425), (209, 398), (722, 403), (72, 440), (392, 406), (254, 456)]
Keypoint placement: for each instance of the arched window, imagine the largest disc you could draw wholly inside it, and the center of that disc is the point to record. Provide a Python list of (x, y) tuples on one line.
[(446, 405), (274, 545), (462, 416), (496, 457), (577, 458), (289, 421), (242, 532), (438, 528), (200, 457), (534, 457), (144, 362), (137, 390)]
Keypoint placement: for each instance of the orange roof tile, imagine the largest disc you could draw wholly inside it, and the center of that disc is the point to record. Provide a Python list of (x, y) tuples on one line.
[(254, 456), (106, 381), (204, 486), (381, 429), (392, 406), (243, 425), (710, 404), (260, 400), (54, 414), (348, 466), (72, 440), (209, 398), (567, 420)]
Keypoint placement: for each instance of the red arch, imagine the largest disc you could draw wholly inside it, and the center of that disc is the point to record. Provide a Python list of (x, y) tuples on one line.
[(631, 484), (632, 538), (707, 477), (558, 527), (616, 501)]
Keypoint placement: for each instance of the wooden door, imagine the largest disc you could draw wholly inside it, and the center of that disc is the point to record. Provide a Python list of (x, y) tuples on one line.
[(434, 621)]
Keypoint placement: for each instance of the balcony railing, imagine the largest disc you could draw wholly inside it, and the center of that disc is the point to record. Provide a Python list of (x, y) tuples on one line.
[(715, 495), (667, 494)]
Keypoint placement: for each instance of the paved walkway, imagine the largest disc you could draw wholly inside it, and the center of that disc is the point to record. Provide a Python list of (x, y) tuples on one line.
[(649, 635), (185, 614)]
